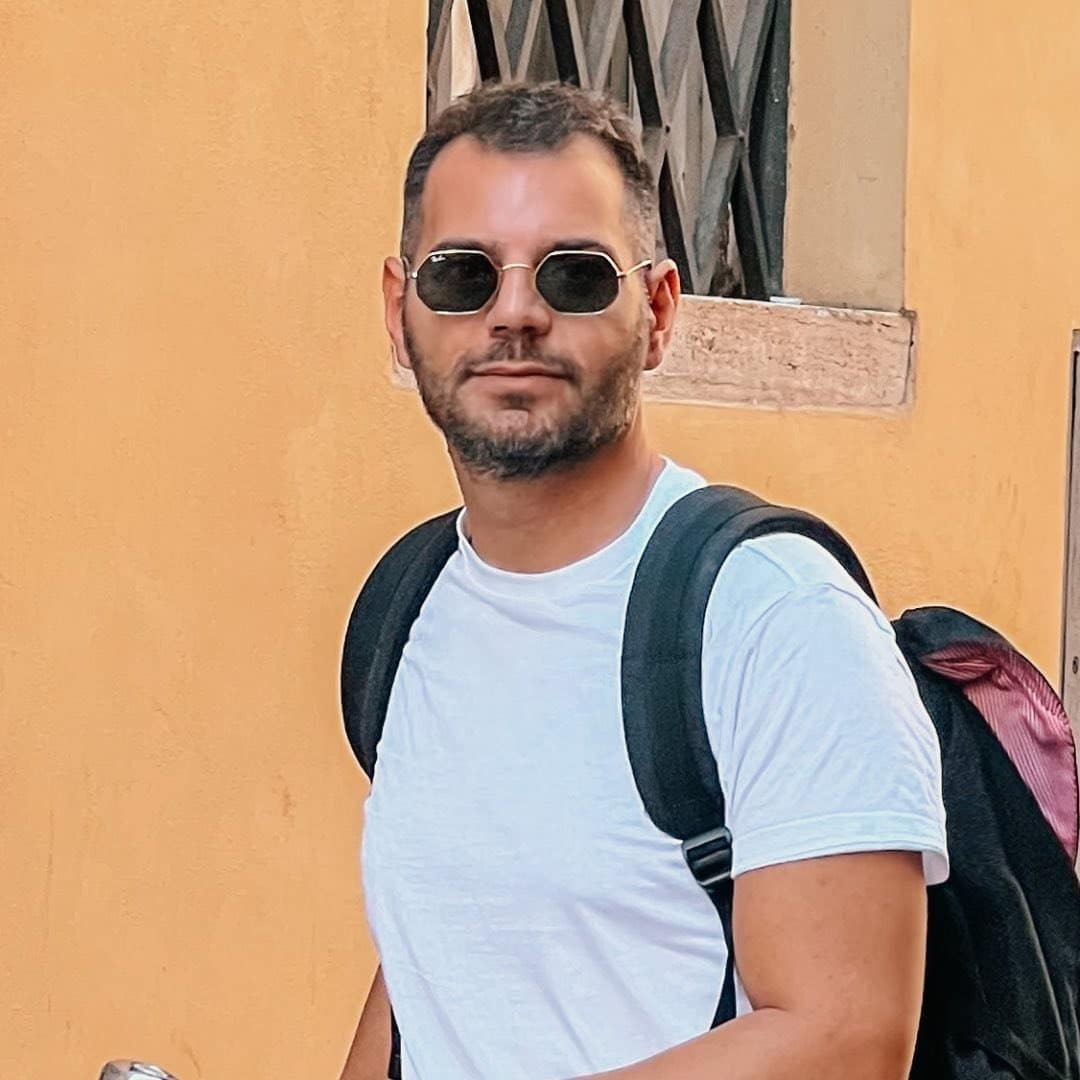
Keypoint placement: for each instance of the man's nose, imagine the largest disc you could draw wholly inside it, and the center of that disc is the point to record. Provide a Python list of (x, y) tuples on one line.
[(518, 308)]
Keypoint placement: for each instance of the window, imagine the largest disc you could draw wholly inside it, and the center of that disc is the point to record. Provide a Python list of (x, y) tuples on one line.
[(778, 133)]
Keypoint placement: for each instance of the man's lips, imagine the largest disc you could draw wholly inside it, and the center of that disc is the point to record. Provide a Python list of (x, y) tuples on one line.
[(518, 371)]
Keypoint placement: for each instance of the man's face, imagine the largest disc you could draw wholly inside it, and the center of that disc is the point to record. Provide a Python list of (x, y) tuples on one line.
[(518, 388)]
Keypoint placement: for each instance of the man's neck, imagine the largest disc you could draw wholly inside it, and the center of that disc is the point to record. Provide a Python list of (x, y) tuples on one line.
[(532, 526)]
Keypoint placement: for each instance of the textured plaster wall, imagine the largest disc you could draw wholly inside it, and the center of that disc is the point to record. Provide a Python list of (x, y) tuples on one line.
[(201, 455), (203, 452)]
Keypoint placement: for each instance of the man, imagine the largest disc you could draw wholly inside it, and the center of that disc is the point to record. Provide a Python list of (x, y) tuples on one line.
[(531, 922)]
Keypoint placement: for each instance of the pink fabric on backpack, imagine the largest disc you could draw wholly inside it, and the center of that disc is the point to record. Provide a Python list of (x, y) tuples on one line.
[(1029, 721)]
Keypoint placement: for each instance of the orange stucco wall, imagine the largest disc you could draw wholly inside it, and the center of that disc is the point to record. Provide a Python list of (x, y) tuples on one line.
[(202, 453)]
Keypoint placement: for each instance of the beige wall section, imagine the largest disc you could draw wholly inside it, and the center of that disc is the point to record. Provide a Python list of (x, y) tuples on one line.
[(203, 453), (844, 226)]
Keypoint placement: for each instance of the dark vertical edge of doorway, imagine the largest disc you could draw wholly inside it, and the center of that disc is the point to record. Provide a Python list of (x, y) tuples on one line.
[(1070, 652)]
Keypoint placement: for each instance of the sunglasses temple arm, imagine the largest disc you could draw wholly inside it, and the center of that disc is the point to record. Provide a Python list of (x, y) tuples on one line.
[(635, 269)]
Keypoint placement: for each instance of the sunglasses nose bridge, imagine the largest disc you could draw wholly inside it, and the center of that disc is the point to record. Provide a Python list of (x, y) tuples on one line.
[(501, 283), (517, 304)]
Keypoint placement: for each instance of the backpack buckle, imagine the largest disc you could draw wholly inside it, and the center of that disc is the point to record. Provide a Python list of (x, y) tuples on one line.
[(709, 857)]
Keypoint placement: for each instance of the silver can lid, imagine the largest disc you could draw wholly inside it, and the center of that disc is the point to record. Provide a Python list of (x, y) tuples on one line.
[(134, 1070)]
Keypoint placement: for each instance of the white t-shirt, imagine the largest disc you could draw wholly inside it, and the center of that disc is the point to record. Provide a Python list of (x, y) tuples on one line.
[(532, 922)]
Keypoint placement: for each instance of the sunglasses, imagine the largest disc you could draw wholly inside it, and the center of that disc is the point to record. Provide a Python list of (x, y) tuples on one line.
[(460, 282)]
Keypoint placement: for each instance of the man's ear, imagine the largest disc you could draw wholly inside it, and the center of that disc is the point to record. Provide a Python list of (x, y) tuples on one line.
[(393, 287), (664, 288)]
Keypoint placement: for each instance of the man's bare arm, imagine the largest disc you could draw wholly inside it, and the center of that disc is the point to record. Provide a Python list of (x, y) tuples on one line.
[(369, 1055), (831, 953)]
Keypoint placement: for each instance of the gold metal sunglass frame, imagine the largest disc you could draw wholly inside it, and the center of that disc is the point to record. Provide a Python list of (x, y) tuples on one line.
[(535, 268)]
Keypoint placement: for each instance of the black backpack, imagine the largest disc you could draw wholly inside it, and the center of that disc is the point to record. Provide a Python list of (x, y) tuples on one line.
[(1003, 952)]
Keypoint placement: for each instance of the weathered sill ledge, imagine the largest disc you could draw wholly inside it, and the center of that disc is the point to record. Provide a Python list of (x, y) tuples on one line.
[(768, 355)]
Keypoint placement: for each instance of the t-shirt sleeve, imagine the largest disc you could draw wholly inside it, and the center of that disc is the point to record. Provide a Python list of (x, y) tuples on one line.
[(822, 742)]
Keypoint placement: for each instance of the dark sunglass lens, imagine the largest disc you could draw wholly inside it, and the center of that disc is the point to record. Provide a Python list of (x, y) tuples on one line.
[(456, 281), (577, 283)]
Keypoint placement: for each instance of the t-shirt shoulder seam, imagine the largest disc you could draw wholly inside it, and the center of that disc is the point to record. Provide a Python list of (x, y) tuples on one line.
[(751, 548), (798, 590), (756, 546)]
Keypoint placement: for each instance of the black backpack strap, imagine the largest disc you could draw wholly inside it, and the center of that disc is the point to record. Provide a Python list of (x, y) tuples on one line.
[(393, 1069), (379, 627), (663, 717)]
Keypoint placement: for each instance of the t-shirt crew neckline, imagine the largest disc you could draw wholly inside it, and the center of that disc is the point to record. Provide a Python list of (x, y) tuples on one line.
[(671, 483)]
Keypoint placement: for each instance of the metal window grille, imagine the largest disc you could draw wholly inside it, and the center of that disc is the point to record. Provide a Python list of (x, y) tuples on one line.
[(707, 80)]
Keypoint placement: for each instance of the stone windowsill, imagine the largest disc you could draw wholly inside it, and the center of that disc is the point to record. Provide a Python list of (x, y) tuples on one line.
[(768, 355)]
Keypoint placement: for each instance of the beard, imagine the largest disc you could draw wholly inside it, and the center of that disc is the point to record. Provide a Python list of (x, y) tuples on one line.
[(602, 414)]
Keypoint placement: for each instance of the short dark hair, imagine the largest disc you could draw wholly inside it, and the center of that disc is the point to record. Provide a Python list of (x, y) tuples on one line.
[(524, 118)]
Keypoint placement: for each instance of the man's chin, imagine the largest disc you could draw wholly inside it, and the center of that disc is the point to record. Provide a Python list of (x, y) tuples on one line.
[(509, 421), (505, 440)]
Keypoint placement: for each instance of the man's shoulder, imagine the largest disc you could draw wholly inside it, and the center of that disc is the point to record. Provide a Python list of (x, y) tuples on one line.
[(771, 565), (785, 562), (781, 576), (782, 568)]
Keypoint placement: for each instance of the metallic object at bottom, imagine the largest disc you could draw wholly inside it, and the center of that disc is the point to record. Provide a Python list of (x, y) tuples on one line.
[(134, 1070)]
